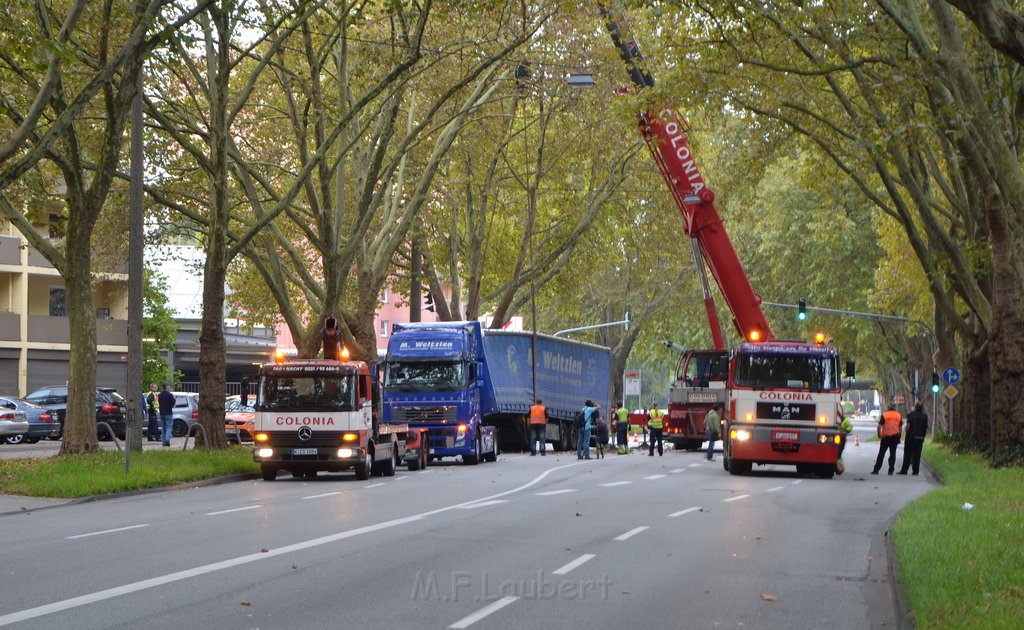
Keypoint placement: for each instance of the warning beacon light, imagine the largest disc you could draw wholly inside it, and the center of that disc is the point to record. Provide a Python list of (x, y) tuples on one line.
[(819, 338), (801, 310), (935, 383), (279, 355)]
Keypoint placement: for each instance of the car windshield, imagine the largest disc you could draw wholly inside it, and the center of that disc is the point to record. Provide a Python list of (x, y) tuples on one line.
[(234, 405), (435, 376), (282, 391), (786, 371), (38, 397)]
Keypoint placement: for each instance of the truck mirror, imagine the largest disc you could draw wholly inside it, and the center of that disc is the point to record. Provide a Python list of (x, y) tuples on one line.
[(245, 391), (851, 369)]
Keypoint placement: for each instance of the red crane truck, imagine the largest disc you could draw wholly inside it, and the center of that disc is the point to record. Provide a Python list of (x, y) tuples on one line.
[(781, 399), (317, 415)]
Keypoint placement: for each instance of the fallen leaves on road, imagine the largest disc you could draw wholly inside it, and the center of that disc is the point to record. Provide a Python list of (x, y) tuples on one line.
[(768, 597)]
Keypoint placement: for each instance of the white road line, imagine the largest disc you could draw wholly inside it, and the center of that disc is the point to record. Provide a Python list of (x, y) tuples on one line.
[(693, 465), (248, 507), (107, 531), (631, 533), (375, 485), (481, 504), (320, 496), (572, 565), (677, 470), (616, 483), (656, 477), (730, 499), (775, 489), (160, 580), (797, 481), (489, 609), (681, 512), (550, 493), (401, 477)]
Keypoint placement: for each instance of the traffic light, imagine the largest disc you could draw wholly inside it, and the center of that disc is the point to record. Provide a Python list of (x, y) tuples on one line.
[(935, 383), (801, 311), (428, 300)]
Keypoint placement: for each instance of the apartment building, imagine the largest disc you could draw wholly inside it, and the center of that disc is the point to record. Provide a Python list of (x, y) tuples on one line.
[(34, 332)]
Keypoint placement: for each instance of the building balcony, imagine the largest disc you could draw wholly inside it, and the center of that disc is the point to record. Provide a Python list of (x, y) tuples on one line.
[(10, 250), (47, 329), (10, 327)]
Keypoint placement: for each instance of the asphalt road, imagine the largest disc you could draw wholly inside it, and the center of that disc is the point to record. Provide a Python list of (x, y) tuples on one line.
[(628, 541)]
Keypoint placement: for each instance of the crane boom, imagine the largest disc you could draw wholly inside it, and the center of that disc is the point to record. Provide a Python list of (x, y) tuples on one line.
[(665, 132)]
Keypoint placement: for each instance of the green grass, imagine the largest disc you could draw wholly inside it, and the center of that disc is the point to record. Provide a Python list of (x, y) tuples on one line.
[(964, 568), (72, 476)]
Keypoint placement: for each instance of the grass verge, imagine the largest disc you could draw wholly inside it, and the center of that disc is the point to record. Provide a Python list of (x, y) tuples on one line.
[(964, 568), (103, 472)]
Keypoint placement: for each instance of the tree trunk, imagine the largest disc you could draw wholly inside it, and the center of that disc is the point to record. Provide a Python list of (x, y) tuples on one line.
[(1006, 435), (80, 417)]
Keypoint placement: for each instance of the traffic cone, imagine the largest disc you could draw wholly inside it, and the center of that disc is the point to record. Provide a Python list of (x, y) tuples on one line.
[(856, 440)]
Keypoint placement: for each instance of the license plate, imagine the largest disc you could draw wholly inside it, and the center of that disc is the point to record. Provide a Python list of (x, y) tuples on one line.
[(788, 436), (231, 431), (304, 451)]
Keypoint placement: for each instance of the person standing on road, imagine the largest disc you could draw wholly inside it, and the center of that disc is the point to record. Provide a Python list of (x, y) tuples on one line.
[(166, 401), (889, 427), (538, 428), (655, 424), (583, 440), (151, 410), (712, 424), (622, 428), (917, 428), (601, 431)]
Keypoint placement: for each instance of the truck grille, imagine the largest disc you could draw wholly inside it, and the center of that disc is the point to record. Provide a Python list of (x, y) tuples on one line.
[(423, 414), (291, 439)]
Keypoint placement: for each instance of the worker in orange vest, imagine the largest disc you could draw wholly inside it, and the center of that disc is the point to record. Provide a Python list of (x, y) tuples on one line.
[(890, 425), (538, 428)]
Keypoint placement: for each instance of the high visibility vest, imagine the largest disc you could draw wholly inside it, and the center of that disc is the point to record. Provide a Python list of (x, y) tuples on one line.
[(656, 417), (538, 414), (891, 421)]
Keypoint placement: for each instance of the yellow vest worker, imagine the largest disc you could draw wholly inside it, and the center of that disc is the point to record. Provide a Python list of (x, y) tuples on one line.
[(538, 428), (657, 417), (891, 423)]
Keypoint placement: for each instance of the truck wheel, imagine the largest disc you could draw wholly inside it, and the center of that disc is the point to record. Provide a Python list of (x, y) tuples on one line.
[(492, 456), (268, 472), (826, 471), (739, 467), (363, 468), (473, 459), (388, 467), (414, 465)]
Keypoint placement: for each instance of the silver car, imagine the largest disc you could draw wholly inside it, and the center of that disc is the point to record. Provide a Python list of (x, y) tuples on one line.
[(13, 422)]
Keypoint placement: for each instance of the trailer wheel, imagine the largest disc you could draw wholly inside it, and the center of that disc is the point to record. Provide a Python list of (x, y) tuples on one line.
[(363, 468), (268, 471)]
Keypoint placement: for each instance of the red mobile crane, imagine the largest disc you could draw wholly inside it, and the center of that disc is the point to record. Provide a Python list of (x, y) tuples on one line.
[(781, 399)]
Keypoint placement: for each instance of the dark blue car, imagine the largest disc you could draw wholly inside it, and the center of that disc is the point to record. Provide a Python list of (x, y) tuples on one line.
[(41, 423)]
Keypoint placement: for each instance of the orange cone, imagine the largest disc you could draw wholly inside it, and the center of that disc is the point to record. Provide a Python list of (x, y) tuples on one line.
[(856, 440)]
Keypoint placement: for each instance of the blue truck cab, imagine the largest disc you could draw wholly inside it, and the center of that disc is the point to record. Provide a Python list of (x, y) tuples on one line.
[(471, 387)]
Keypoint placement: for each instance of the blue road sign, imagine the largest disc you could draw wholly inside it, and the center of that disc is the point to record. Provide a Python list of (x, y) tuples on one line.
[(951, 376)]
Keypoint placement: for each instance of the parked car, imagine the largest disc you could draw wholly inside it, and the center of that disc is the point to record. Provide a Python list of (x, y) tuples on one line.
[(186, 413), (110, 408), (41, 423), (12, 422), (239, 420)]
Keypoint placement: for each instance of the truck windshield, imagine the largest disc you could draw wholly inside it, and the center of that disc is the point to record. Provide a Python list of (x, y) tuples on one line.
[(308, 392), (784, 371), (422, 376)]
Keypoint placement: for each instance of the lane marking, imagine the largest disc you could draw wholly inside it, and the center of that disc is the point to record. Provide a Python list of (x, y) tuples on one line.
[(489, 609), (681, 512), (655, 476), (241, 509), (616, 483), (374, 485), (562, 570), (482, 504), (554, 492), (693, 465), (401, 477), (107, 531), (135, 587), (631, 533), (742, 496), (319, 496), (775, 489), (677, 470), (797, 481)]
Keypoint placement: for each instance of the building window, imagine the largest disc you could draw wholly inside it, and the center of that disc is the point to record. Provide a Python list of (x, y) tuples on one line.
[(383, 328), (384, 297), (103, 313), (58, 302)]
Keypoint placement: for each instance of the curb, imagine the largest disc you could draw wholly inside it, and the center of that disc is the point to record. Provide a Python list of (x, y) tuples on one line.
[(199, 483)]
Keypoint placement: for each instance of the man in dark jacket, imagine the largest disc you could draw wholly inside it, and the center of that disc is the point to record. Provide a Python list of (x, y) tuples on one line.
[(165, 400), (917, 428)]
